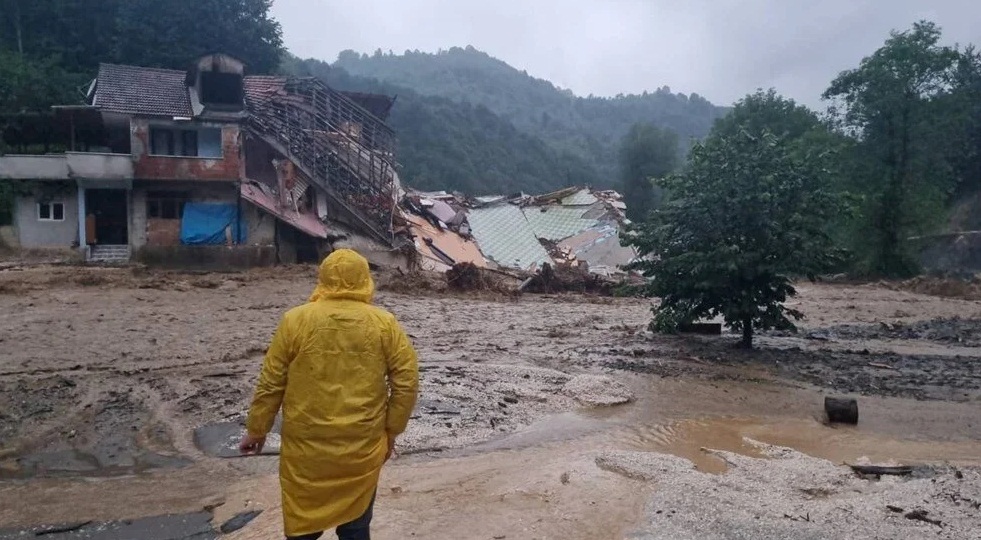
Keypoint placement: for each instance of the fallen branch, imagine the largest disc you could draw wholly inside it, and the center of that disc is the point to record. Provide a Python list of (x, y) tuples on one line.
[(921, 515), (882, 366), (421, 451), (879, 471)]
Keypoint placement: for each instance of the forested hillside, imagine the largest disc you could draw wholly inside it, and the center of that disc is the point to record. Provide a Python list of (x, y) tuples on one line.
[(589, 127), (445, 144)]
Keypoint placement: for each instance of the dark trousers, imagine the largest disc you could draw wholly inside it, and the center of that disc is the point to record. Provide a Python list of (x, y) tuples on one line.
[(355, 530)]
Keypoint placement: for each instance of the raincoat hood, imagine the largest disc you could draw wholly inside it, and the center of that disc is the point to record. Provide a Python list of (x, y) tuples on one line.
[(344, 275)]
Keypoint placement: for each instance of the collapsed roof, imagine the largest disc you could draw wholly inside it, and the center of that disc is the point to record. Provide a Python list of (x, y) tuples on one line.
[(574, 226)]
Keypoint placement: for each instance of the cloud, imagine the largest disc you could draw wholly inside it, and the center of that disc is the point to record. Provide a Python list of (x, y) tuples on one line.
[(720, 49)]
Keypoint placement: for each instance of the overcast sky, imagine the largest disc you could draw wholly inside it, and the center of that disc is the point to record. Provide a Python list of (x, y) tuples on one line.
[(720, 49)]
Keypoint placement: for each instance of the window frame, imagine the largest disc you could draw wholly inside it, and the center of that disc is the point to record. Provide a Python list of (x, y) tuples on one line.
[(51, 211), (174, 200), (177, 139)]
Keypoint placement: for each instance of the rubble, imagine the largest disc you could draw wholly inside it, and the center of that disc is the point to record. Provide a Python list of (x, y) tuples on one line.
[(573, 227), (575, 279)]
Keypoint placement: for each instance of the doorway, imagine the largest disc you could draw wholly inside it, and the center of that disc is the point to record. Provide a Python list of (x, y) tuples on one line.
[(106, 217)]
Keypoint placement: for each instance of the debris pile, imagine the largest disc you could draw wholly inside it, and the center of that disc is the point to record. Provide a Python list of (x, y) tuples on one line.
[(575, 279)]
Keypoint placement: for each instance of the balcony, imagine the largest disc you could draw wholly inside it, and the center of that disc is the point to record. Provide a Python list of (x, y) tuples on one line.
[(67, 166), (100, 166), (43, 167)]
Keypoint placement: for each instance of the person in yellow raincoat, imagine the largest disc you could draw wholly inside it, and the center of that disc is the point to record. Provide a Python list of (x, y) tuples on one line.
[(346, 377)]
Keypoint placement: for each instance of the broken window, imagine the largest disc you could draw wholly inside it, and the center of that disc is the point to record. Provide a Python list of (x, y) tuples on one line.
[(165, 204), (199, 142), (221, 88), (51, 211)]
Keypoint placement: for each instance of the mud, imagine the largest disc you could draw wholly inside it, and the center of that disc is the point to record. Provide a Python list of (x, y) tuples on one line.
[(122, 394), (196, 526)]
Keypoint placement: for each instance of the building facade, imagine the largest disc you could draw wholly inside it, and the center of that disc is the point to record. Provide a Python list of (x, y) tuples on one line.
[(208, 166)]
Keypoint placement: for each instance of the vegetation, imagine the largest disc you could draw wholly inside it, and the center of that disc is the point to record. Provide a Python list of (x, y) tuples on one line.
[(646, 153), (589, 127), (746, 217), (907, 107), (762, 201), (51, 49)]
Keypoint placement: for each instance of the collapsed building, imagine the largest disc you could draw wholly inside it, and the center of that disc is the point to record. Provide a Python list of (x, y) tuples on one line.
[(209, 166), (576, 226)]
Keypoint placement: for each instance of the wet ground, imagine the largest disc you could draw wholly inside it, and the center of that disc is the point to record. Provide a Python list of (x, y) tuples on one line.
[(122, 394)]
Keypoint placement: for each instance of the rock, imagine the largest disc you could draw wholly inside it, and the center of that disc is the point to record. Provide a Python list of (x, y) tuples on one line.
[(239, 521), (597, 390)]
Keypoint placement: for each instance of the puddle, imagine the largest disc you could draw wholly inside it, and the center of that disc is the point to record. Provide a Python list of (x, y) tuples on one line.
[(839, 444), (222, 439)]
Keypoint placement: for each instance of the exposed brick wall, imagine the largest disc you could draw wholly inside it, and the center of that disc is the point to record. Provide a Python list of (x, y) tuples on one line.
[(148, 167)]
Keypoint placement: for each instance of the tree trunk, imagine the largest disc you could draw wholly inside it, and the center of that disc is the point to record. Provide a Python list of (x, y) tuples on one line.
[(20, 32), (747, 341)]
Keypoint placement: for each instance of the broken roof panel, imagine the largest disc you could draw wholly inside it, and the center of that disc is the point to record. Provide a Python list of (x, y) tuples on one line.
[(557, 222), (307, 223), (506, 237), (436, 245), (600, 248), (141, 90), (582, 197)]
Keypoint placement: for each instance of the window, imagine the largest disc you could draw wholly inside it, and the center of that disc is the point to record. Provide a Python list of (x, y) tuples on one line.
[(165, 204), (50, 211), (200, 142), (221, 88)]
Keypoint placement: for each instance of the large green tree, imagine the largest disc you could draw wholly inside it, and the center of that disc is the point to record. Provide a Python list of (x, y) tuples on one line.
[(647, 152), (896, 104), (171, 33), (746, 217)]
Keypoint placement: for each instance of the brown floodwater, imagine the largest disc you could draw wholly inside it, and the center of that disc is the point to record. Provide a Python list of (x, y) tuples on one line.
[(840, 444)]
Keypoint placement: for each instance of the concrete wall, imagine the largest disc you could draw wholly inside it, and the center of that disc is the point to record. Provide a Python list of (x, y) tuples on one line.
[(33, 233), (207, 257), (107, 166), (51, 167), (261, 225), (149, 167)]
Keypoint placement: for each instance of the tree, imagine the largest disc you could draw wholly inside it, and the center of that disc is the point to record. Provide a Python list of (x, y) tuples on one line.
[(647, 152), (172, 33), (746, 217), (894, 105)]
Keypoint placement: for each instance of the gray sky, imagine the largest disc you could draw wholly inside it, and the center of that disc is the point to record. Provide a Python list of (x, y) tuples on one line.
[(720, 49)]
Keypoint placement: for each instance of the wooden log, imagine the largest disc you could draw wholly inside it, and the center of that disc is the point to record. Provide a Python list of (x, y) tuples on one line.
[(841, 410), (880, 470)]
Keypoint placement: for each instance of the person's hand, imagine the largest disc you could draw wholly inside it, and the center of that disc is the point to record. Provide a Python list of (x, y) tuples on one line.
[(391, 448), (251, 445)]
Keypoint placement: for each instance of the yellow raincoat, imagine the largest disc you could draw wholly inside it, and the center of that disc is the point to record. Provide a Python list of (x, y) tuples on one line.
[(346, 376)]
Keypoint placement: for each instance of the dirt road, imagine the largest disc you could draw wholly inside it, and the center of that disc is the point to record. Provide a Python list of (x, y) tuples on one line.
[(106, 374)]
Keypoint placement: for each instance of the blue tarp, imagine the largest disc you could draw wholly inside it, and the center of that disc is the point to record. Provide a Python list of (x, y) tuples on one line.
[(205, 224)]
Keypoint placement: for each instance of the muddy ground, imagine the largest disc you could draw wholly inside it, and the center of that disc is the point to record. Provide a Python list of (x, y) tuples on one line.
[(107, 374)]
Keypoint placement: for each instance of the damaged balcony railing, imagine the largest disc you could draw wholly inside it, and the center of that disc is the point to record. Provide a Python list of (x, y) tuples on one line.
[(345, 148)]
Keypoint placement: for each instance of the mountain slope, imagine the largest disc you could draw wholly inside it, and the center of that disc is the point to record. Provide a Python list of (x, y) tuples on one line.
[(444, 144), (589, 127)]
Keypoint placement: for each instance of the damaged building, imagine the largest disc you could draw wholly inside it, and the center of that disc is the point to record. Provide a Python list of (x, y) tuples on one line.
[(210, 166), (575, 226)]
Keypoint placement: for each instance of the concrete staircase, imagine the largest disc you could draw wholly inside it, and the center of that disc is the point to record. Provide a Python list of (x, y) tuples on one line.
[(110, 254)]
